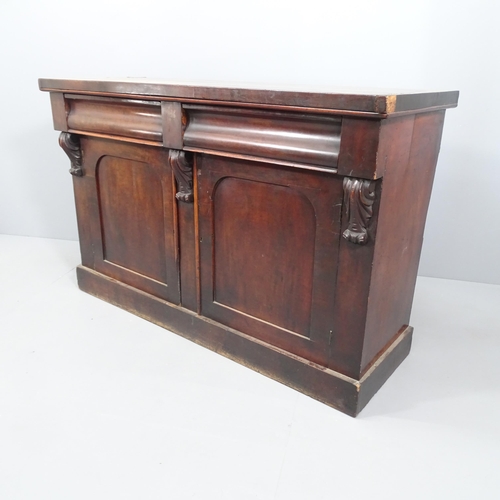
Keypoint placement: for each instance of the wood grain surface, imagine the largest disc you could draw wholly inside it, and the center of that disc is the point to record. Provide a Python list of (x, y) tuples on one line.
[(282, 228)]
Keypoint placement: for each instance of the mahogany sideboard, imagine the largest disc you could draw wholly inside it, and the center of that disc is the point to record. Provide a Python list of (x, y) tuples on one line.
[(279, 228)]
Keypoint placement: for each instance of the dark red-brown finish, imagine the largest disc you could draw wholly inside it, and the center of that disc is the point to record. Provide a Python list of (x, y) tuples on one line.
[(132, 220), (268, 244), (359, 148), (284, 136), (282, 229), (256, 273), (362, 101), (332, 388), (59, 110), (182, 167), (138, 120), (407, 184), (129, 215)]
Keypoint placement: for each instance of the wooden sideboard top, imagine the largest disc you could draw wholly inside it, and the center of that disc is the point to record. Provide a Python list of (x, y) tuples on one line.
[(362, 101)]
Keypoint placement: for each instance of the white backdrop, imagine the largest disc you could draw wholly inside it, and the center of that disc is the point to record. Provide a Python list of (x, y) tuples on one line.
[(424, 44)]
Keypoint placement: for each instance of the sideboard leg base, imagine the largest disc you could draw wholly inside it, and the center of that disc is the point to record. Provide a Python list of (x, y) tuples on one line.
[(328, 386)]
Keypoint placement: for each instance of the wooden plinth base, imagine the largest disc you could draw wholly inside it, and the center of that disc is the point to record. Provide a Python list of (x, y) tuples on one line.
[(332, 388)]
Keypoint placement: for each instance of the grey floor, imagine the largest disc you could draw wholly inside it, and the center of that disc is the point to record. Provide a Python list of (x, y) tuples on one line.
[(96, 403)]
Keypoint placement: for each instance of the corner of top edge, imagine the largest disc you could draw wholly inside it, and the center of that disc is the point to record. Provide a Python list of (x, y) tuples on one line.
[(390, 106)]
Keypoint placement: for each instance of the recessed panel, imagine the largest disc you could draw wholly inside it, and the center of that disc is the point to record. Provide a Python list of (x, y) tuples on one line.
[(264, 237), (132, 220)]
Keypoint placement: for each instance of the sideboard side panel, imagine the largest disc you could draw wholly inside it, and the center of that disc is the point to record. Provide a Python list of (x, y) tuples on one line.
[(356, 289), (407, 185)]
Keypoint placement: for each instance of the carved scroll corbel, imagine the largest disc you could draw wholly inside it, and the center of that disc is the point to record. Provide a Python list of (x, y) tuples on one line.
[(359, 196), (182, 166), (71, 146)]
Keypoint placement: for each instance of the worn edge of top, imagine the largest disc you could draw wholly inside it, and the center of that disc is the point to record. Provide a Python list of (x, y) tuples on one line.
[(355, 101)]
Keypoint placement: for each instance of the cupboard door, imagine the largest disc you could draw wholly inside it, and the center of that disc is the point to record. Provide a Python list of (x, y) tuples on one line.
[(269, 240), (132, 214)]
